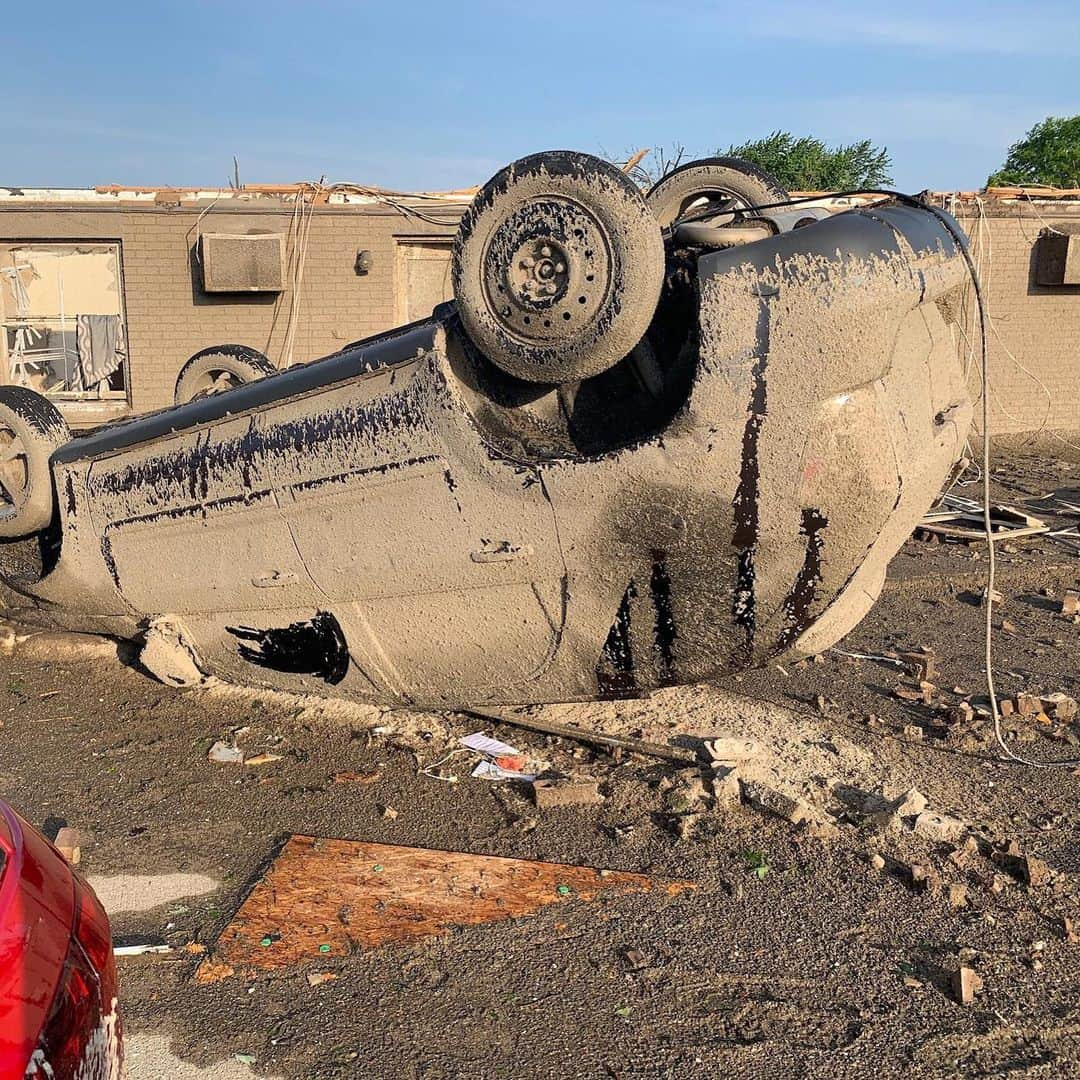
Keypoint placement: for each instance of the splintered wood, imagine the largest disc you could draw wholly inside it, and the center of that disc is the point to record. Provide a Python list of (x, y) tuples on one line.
[(322, 899)]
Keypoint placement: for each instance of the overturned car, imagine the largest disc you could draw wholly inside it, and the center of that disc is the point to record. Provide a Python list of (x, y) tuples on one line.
[(654, 439)]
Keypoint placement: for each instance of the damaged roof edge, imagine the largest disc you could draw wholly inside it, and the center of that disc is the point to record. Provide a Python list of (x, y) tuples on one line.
[(365, 195), (284, 194)]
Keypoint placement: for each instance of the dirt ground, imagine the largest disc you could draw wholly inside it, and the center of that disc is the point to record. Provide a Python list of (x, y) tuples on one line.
[(794, 956)]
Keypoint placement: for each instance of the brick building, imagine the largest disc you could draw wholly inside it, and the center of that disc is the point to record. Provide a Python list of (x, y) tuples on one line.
[(1033, 326), (328, 267), (134, 267)]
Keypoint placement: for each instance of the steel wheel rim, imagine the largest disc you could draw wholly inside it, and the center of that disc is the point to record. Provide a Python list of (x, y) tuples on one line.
[(711, 202), (14, 472), (216, 381), (543, 285)]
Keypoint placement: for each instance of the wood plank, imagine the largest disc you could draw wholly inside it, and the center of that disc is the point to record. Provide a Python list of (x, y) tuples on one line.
[(324, 898)]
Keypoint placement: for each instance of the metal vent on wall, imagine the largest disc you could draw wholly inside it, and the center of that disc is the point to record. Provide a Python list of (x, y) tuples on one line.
[(242, 263), (1057, 257)]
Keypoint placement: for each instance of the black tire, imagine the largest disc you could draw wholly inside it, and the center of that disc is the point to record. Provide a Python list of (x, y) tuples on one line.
[(557, 268), (720, 182), (220, 368), (31, 428)]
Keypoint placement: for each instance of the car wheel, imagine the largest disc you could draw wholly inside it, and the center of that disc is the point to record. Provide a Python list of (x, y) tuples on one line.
[(557, 267), (220, 368), (712, 185), (31, 428)]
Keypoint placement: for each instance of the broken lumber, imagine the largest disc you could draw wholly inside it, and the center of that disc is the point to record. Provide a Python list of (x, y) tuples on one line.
[(325, 898), (680, 755)]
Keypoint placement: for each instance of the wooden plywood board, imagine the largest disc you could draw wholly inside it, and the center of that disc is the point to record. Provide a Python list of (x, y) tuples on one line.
[(324, 899)]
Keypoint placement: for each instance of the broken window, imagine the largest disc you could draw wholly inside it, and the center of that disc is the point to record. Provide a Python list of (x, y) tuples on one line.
[(63, 319)]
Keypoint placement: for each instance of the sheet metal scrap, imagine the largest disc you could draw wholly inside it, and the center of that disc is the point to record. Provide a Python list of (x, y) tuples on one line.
[(324, 899)]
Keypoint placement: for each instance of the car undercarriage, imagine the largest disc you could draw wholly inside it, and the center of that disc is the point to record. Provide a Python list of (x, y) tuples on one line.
[(653, 440)]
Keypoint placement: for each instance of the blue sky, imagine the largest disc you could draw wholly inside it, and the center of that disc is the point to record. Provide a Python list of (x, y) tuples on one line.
[(432, 95)]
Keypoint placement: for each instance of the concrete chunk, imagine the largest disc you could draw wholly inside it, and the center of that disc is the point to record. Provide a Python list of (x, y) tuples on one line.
[(966, 984), (1059, 706), (941, 827), (549, 794), (765, 798), (728, 749)]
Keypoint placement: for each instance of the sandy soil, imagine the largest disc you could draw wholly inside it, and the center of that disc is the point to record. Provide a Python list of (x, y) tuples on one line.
[(822, 967)]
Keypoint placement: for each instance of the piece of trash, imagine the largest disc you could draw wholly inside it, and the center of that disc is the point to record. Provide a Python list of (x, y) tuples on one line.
[(489, 747), (224, 753), (141, 949), (67, 842), (420, 893), (966, 984), (877, 862), (502, 761), (623, 1011), (635, 959), (262, 759), (245, 1059), (1070, 602), (489, 770), (388, 813), (548, 794), (355, 777), (317, 978)]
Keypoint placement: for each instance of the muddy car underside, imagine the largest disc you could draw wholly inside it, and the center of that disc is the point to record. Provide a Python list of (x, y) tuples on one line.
[(481, 508)]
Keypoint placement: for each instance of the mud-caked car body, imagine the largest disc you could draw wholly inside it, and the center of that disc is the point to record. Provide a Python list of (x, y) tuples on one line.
[(408, 521)]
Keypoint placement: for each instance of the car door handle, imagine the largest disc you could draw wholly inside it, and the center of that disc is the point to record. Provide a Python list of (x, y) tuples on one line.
[(274, 579), (504, 551)]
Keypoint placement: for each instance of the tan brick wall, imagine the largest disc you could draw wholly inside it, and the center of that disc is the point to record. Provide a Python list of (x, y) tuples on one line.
[(169, 318), (1038, 325)]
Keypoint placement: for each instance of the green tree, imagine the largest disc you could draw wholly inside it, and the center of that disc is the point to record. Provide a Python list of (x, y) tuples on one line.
[(807, 164), (1048, 154)]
